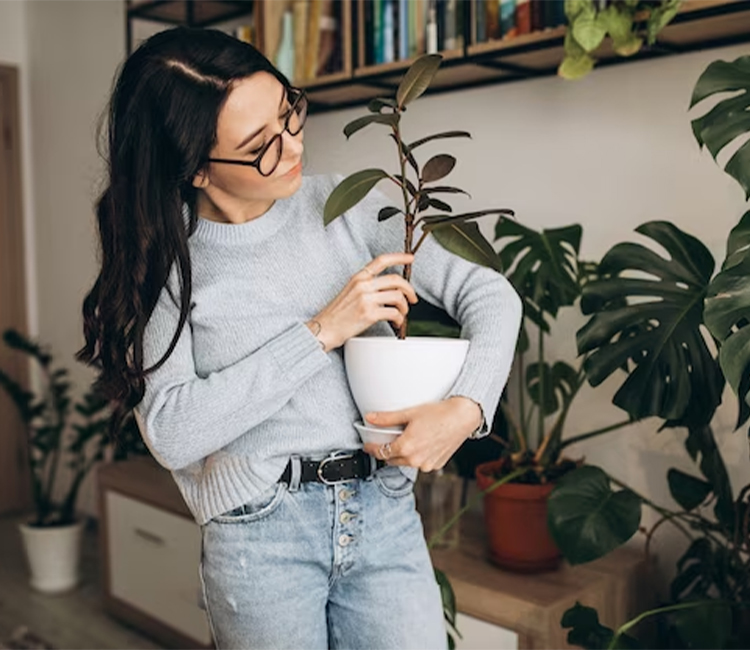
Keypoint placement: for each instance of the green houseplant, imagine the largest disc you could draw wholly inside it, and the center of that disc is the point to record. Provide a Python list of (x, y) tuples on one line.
[(60, 454), (628, 23), (379, 378), (672, 374)]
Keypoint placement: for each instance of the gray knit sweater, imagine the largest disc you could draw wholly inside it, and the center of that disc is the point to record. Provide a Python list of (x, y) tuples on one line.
[(248, 384)]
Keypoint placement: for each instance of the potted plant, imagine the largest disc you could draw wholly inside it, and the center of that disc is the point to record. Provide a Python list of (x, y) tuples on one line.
[(57, 447), (387, 373), (672, 374), (627, 22)]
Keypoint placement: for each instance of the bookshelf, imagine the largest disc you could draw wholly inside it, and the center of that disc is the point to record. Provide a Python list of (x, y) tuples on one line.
[(470, 62)]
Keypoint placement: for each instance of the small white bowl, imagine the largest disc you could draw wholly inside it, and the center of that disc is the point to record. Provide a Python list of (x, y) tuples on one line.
[(375, 435)]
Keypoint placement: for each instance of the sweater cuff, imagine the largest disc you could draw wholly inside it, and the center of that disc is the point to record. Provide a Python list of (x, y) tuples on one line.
[(483, 429), (297, 351)]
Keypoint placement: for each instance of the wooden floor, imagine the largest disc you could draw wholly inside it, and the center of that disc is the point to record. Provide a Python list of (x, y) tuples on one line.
[(74, 620)]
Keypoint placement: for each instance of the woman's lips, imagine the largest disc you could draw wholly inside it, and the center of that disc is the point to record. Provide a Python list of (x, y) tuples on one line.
[(294, 170)]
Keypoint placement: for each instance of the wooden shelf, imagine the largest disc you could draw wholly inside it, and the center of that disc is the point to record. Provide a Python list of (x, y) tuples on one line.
[(195, 13), (700, 24)]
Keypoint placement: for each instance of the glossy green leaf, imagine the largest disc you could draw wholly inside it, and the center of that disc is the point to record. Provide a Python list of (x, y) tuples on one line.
[(390, 119), (657, 336), (588, 29), (587, 632), (660, 16), (708, 625), (351, 191), (439, 136), (417, 78), (466, 240), (437, 167), (379, 103), (388, 212), (447, 596), (406, 152), (587, 519), (689, 491), (559, 383), (729, 119), (542, 265), (727, 311)]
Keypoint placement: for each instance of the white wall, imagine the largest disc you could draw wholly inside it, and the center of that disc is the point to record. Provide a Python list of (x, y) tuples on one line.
[(73, 50), (609, 152)]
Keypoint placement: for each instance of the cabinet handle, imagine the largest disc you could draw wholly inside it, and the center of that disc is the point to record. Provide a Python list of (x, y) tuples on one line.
[(149, 537)]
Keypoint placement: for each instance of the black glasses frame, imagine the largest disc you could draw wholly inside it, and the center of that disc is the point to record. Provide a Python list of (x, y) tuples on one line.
[(299, 101)]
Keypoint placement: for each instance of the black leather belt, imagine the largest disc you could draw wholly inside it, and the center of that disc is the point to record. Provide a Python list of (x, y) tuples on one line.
[(334, 469)]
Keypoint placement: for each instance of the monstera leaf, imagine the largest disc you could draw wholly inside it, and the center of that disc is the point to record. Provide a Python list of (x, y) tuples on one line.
[(657, 335), (544, 263), (587, 519), (730, 118), (728, 314)]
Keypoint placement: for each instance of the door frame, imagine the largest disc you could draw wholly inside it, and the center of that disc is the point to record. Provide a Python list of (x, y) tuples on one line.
[(15, 483)]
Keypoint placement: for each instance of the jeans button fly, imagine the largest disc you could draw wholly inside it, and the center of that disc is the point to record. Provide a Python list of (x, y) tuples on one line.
[(344, 540), (346, 517)]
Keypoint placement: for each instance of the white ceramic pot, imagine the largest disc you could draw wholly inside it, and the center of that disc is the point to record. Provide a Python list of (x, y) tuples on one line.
[(53, 554), (390, 374)]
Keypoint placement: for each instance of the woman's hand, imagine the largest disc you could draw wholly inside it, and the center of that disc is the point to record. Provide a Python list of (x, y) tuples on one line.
[(366, 299), (432, 434)]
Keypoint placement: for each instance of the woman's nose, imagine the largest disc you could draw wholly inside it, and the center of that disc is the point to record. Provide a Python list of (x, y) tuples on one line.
[(293, 144)]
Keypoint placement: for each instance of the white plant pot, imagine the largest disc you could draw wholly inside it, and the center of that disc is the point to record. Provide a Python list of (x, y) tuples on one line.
[(53, 554), (390, 374)]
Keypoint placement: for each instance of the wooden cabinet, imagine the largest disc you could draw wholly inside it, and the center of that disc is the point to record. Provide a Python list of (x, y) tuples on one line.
[(150, 549), (700, 24), (531, 606)]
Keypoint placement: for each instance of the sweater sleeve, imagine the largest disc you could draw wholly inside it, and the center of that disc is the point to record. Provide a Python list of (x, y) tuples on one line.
[(184, 417), (480, 299)]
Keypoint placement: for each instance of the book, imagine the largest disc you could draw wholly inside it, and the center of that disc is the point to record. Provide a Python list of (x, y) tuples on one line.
[(507, 11), (403, 30), (388, 27), (299, 11), (329, 38), (493, 19), (523, 16)]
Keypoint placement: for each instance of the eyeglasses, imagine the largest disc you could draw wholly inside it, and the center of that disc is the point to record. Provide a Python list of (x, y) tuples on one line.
[(268, 159)]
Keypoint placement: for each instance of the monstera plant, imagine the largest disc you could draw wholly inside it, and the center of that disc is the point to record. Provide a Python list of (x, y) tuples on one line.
[(658, 341)]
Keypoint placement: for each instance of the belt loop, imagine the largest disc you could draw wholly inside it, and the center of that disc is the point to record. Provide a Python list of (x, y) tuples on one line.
[(373, 466), (294, 481)]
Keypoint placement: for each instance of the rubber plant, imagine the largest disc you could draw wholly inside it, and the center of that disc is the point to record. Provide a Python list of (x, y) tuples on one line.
[(628, 24), (660, 340), (54, 443), (417, 183)]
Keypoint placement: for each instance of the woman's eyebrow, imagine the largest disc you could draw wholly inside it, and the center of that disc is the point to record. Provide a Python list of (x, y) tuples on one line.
[(252, 135)]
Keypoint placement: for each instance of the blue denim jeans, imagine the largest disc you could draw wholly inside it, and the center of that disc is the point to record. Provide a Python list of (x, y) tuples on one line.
[(309, 566)]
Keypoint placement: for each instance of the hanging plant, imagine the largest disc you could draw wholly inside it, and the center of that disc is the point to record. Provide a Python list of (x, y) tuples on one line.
[(628, 23)]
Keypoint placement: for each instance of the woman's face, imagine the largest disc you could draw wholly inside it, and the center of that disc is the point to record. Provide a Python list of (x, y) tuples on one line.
[(255, 110)]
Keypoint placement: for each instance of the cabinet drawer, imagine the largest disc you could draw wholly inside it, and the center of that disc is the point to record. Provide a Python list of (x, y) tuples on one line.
[(480, 635), (153, 562)]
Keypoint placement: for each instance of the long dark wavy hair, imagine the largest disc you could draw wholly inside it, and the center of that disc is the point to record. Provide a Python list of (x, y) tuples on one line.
[(161, 122)]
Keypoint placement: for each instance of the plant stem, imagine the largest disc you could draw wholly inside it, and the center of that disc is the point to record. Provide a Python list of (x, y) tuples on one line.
[(652, 612), (540, 401), (505, 479), (596, 432), (522, 402), (408, 216), (662, 511)]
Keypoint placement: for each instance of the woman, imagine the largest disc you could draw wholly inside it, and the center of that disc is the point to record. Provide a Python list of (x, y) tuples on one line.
[(219, 315)]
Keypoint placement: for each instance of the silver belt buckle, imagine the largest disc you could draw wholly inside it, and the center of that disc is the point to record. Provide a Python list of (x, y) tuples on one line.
[(327, 460)]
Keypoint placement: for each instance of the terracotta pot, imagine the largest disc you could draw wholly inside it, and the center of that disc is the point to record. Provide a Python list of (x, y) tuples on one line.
[(515, 516)]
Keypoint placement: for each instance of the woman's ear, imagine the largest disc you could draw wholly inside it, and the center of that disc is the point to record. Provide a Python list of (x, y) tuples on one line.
[(200, 180)]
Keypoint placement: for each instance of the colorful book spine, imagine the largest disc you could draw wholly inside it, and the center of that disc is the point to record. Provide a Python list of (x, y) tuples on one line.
[(480, 20), (507, 11), (388, 25), (523, 16), (403, 30)]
